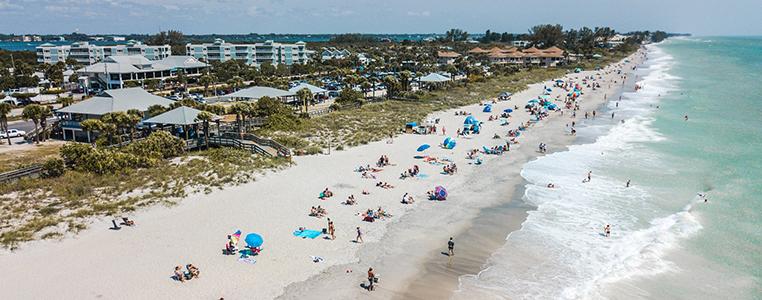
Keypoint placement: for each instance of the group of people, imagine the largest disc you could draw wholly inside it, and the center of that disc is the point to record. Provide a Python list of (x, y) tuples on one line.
[(407, 199), (543, 148), (192, 272), (383, 161), (318, 211), (450, 169), (370, 215), (384, 185), (412, 172)]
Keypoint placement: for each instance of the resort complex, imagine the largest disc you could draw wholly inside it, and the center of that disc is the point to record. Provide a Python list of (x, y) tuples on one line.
[(538, 163), (86, 53), (251, 54)]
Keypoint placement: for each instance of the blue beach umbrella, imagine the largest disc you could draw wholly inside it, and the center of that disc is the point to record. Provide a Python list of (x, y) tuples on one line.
[(253, 240), (446, 140), (423, 147), (508, 110)]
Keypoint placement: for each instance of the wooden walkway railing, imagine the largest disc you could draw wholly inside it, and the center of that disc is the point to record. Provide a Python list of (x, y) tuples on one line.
[(18, 173)]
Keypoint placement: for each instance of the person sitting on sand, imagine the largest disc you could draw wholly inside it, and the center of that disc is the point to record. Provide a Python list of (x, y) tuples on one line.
[(350, 200), (193, 272), (313, 212), (365, 192), (179, 274), (321, 212), (231, 246)]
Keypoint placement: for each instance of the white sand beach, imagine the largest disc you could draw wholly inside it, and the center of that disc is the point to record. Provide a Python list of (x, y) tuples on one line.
[(137, 262)]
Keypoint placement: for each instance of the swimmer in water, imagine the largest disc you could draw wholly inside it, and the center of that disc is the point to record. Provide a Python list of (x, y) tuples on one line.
[(607, 230), (628, 183)]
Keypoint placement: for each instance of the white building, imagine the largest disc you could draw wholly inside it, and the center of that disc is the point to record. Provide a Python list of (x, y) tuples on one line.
[(114, 71), (333, 53), (86, 53), (251, 54), (520, 44)]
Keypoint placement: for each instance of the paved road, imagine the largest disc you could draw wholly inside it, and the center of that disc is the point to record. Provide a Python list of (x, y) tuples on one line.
[(25, 125)]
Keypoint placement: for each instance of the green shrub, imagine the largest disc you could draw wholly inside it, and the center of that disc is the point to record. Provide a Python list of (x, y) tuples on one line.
[(53, 167)]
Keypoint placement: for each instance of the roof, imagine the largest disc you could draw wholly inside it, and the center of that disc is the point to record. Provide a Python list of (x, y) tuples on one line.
[(138, 63), (182, 115), (433, 77), (257, 92), (116, 100), (308, 86), (477, 50), (448, 54)]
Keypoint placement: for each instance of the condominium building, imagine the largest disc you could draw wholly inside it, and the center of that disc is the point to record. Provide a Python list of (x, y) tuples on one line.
[(251, 54), (86, 53)]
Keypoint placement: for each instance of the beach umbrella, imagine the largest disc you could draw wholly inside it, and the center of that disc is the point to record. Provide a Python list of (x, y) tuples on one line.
[(451, 144), (440, 193), (508, 110), (423, 147), (470, 120), (446, 140), (487, 108), (253, 240)]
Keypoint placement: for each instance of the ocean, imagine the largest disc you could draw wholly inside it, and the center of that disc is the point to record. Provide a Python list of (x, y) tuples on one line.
[(666, 242)]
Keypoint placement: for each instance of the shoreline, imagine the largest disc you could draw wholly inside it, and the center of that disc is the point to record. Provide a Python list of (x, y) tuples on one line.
[(275, 205), (426, 275), (515, 206)]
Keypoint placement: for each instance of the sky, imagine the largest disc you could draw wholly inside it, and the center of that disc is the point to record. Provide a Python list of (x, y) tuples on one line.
[(700, 17)]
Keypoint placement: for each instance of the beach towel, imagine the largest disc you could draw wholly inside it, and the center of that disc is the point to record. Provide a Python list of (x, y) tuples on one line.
[(422, 176), (307, 233), (247, 259)]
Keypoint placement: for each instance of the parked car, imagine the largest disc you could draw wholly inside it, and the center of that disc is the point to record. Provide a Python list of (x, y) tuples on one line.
[(12, 133)]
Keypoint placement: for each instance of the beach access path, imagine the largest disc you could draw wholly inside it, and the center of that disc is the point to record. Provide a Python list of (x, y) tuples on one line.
[(137, 262)]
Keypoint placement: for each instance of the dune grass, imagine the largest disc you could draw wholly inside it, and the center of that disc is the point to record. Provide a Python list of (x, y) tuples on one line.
[(33, 208)]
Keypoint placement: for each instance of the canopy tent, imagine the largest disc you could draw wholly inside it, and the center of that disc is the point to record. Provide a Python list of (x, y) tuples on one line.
[(312, 88), (434, 78), (182, 115), (470, 120), (257, 92), (487, 108)]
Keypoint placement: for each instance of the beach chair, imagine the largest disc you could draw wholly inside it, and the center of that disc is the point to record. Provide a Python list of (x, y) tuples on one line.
[(127, 222)]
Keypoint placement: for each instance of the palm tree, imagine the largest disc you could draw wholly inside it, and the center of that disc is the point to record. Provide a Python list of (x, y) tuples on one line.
[(33, 112), (206, 80), (5, 109), (405, 77), (134, 117), (240, 109), (45, 112), (117, 121), (91, 125), (235, 82), (305, 95), (365, 86), (392, 85), (155, 110), (205, 117)]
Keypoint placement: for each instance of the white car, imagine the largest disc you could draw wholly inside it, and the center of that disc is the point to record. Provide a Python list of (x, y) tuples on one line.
[(12, 133)]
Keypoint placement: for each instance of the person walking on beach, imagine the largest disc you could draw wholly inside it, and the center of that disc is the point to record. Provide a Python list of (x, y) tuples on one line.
[(371, 279), (450, 247), (628, 183), (358, 239), (331, 229)]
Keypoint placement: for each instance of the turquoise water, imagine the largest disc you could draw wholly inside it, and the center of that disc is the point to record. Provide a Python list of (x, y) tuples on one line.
[(666, 242)]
